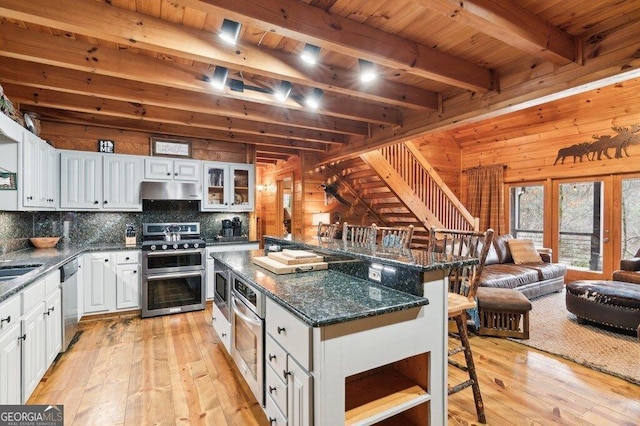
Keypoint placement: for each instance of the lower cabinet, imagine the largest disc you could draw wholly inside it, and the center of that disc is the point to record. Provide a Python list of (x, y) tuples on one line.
[(30, 337), (111, 281), (222, 327)]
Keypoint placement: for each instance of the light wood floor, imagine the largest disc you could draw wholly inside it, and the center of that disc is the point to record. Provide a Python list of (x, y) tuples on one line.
[(173, 370)]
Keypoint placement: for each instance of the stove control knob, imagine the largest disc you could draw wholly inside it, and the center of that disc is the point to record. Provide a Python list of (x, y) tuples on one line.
[(175, 246), (185, 245), (196, 245), (164, 247), (153, 247)]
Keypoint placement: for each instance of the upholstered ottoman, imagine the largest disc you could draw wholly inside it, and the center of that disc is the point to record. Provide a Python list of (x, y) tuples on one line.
[(612, 303), (501, 310)]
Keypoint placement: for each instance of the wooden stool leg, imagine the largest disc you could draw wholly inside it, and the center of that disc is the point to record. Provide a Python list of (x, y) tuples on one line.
[(475, 386)]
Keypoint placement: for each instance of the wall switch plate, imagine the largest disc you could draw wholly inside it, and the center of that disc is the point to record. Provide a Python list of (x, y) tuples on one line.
[(375, 293), (375, 274)]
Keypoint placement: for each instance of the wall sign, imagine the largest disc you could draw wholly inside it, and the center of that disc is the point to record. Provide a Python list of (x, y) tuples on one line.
[(106, 145), (170, 147), (618, 143)]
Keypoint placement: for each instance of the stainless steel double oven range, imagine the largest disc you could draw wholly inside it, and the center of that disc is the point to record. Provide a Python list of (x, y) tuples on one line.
[(243, 307), (173, 268)]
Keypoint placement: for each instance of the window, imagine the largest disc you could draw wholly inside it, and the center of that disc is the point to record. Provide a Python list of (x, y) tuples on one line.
[(527, 213), (630, 218)]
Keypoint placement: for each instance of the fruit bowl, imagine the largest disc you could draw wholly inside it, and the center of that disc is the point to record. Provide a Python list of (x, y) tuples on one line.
[(44, 242)]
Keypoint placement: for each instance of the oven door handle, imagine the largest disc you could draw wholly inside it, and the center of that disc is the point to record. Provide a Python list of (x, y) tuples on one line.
[(242, 315), (177, 275), (170, 252)]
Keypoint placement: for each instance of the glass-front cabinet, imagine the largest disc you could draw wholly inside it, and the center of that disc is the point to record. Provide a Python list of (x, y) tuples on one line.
[(228, 187)]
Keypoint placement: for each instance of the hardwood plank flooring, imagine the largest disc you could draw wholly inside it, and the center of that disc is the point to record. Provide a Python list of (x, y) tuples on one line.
[(173, 370)]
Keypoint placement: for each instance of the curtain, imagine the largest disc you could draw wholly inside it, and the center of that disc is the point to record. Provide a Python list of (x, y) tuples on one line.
[(485, 197)]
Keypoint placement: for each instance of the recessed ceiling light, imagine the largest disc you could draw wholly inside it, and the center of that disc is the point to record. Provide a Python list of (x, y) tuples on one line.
[(229, 31), (283, 91), (313, 100), (219, 78), (310, 53), (367, 71)]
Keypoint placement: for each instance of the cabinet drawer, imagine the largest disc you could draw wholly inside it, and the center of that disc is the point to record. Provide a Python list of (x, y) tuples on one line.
[(129, 256), (276, 388), (9, 313), (291, 333), (274, 415), (32, 295), (222, 328), (275, 356)]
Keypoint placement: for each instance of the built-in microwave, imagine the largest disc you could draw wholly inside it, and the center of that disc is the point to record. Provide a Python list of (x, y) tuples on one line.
[(222, 288)]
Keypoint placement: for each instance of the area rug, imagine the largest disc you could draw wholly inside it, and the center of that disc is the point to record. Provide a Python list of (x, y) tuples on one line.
[(555, 330)]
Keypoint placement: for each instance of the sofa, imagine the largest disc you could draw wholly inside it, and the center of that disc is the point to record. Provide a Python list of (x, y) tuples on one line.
[(532, 273), (629, 270)]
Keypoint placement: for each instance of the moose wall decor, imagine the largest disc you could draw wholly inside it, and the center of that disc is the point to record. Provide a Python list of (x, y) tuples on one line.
[(623, 139)]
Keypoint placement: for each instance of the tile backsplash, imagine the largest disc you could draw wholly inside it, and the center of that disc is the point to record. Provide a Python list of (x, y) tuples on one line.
[(105, 227)]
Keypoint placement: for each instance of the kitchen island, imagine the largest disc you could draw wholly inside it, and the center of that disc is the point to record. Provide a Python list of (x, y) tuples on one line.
[(340, 349)]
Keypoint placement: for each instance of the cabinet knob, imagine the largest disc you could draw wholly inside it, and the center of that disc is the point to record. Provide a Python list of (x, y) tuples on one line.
[(224, 334), (175, 174), (281, 330), (271, 357), (23, 337), (135, 272), (272, 421), (214, 319), (29, 198), (168, 174), (51, 309), (286, 373), (106, 260), (126, 258), (96, 202), (105, 202), (272, 389), (7, 320)]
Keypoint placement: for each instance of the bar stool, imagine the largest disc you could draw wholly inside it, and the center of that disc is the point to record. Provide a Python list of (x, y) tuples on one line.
[(463, 283), (394, 239), (326, 232), (359, 236)]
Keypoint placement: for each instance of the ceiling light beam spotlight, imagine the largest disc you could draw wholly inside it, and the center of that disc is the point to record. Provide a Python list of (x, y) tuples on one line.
[(219, 78), (229, 31), (313, 100), (283, 91), (310, 54), (367, 71)]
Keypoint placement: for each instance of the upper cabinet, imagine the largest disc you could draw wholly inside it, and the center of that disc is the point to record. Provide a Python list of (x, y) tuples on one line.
[(228, 187), (168, 169), (100, 182)]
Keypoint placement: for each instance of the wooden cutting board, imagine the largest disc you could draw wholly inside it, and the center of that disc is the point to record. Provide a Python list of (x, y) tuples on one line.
[(280, 268), (287, 260), (298, 254)]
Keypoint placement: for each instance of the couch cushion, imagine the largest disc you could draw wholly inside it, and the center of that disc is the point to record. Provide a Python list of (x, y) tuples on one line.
[(627, 276), (507, 275), (547, 271), (632, 264), (523, 251), (502, 248)]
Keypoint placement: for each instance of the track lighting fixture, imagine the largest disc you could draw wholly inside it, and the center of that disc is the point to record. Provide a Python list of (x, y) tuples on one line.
[(313, 100), (310, 53), (219, 78), (236, 85), (367, 71), (283, 91), (229, 31)]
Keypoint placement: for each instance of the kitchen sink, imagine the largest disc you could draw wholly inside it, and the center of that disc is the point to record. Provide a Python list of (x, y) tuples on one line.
[(9, 272)]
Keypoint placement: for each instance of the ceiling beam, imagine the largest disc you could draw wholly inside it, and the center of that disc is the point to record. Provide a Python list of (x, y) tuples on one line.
[(138, 30), (137, 125), (299, 21), (507, 22), (62, 52)]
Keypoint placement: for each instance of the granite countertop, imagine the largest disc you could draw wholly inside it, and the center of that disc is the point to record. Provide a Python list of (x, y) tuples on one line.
[(420, 260), (320, 298), (49, 260)]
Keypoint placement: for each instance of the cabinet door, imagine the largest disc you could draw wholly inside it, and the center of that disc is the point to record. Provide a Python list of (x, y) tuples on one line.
[(242, 197), (127, 286), (188, 170), (158, 168), (100, 283), (210, 277), (299, 384), (33, 349), (50, 180), (121, 183), (10, 366), (53, 325), (217, 186), (80, 180), (30, 170)]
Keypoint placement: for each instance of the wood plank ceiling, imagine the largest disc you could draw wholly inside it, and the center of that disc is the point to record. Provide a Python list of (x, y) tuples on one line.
[(147, 64)]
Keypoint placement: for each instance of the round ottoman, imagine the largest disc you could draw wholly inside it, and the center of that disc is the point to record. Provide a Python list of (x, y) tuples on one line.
[(612, 303)]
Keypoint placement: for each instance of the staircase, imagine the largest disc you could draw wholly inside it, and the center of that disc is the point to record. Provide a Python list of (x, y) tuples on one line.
[(396, 186)]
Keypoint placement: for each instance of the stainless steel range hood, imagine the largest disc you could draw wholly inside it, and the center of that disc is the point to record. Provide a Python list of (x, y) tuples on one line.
[(170, 190)]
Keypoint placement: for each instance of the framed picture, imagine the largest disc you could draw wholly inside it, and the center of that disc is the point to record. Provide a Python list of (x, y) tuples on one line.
[(170, 147)]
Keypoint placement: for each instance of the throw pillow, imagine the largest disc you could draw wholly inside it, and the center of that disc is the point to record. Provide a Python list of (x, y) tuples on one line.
[(523, 251)]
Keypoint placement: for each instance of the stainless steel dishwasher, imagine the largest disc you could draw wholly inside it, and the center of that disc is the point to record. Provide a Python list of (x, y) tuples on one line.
[(69, 279)]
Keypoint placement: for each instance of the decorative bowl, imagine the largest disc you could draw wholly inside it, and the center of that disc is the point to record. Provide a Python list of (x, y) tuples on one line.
[(44, 242)]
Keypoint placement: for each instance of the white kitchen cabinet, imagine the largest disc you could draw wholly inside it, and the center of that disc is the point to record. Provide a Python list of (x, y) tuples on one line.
[(34, 350), (80, 180), (228, 187), (222, 327), (100, 282), (168, 169), (10, 351), (128, 280), (122, 175), (91, 181), (53, 325), (299, 386)]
